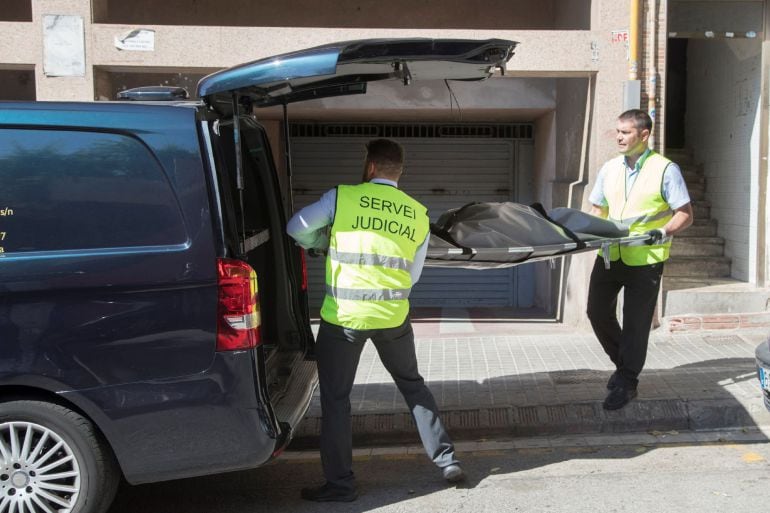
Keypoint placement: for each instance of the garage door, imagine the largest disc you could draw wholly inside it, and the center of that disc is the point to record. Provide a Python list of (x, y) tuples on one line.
[(443, 170)]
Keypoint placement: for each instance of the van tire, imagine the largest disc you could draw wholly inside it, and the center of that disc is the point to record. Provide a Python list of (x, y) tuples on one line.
[(49, 423)]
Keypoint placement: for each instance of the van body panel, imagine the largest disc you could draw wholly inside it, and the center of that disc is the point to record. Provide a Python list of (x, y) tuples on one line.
[(108, 315), (346, 67), (187, 426), (120, 319)]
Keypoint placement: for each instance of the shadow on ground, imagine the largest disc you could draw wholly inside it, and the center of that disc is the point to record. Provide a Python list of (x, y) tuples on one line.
[(703, 395), (712, 394)]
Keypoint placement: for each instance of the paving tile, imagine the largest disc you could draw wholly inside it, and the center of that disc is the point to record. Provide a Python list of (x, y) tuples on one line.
[(560, 368)]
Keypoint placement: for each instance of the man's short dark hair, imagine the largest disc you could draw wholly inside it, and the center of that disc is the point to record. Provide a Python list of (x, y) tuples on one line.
[(387, 156), (642, 120)]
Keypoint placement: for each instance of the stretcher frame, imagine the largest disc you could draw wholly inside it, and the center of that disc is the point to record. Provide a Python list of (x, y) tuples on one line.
[(499, 258)]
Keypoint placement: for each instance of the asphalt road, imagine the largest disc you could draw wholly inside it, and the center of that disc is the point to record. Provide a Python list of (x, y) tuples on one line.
[(662, 472)]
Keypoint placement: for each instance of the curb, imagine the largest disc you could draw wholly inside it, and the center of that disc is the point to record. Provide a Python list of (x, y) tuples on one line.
[(560, 419), (698, 322)]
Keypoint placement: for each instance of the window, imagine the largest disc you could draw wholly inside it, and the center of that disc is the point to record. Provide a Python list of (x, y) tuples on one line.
[(63, 190)]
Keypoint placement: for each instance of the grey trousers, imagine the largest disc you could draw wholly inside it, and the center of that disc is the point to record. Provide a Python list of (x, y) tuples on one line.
[(338, 351)]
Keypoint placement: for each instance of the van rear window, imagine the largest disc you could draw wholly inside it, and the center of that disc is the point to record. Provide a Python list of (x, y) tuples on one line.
[(68, 189)]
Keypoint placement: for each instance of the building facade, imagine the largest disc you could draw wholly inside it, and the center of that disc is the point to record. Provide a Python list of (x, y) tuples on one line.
[(538, 133)]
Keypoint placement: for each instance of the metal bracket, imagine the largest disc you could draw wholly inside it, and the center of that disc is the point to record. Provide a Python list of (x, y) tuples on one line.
[(606, 254)]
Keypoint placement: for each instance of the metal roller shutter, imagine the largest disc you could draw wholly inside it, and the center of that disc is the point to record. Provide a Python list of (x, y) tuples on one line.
[(441, 173)]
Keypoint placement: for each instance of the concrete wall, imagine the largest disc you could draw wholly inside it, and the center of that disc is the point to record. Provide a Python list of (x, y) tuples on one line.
[(607, 89), (498, 99), (572, 97), (722, 128), (763, 211), (456, 14), (561, 40)]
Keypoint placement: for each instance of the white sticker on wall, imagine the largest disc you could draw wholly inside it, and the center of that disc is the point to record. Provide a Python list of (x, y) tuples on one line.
[(139, 40), (64, 51)]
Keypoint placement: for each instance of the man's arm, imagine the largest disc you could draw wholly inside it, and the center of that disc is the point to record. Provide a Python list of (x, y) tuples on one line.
[(599, 206), (419, 260), (676, 195), (682, 219), (599, 211), (308, 226)]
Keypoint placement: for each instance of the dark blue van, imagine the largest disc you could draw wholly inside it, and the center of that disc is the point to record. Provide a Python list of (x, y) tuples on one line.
[(153, 314)]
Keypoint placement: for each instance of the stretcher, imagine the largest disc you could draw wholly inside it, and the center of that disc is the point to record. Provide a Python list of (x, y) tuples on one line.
[(499, 235)]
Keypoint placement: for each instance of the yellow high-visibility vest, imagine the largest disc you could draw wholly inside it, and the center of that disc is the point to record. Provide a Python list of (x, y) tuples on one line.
[(375, 235), (642, 208)]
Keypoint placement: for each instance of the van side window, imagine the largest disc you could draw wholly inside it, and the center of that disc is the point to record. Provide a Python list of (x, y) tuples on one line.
[(69, 189)]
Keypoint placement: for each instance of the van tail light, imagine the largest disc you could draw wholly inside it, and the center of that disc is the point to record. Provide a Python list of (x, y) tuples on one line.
[(238, 315), (304, 269)]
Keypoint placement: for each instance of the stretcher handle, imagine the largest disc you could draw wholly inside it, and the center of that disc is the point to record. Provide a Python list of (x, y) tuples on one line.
[(627, 240)]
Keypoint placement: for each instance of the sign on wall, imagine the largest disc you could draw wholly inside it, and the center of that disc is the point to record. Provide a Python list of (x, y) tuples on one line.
[(64, 51), (139, 40), (619, 36)]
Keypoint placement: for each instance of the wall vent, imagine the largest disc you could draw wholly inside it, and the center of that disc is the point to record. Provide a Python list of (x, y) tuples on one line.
[(487, 131)]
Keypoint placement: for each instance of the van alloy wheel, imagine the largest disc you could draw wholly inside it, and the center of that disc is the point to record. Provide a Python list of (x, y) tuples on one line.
[(38, 472), (53, 460)]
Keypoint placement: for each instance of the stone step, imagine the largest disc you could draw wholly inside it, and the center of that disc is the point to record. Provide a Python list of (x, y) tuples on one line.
[(696, 193), (678, 155), (691, 178), (693, 282), (700, 221), (697, 246), (700, 228), (687, 163), (701, 209), (692, 296), (697, 266), (690, 167)]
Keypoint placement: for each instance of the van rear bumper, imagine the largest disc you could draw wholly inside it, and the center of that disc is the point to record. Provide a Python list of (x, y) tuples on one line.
[(189, 426)]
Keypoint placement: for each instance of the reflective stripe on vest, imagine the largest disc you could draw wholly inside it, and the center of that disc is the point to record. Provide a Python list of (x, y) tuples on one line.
[(367, 294), (375, 235), (369, 259), (641, 208)]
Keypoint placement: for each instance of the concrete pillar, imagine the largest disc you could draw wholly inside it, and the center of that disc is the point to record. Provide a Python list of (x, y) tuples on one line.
[(68, 87), (608, 83), (763, 214)]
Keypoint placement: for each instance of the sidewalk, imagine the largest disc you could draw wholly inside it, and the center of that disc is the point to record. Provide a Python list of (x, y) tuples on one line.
[(491, 377)]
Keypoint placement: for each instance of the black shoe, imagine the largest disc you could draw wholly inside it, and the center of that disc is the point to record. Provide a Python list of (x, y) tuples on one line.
[(453, 473), (329, 493), (618, 397), (614, 381)]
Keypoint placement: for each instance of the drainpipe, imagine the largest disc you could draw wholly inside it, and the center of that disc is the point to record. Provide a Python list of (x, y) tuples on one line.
[(632, 88), (633, 44), (652, 24), (582, 180)]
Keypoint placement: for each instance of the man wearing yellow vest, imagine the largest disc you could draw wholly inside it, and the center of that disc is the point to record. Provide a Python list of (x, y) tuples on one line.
[(645, 191), (376, 250)]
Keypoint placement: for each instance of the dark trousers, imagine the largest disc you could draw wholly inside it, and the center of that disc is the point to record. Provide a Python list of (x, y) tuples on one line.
[(338, 351), (626, 346)]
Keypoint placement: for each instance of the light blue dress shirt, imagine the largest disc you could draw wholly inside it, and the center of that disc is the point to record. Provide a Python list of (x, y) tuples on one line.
[(310, 227), (674, 189)]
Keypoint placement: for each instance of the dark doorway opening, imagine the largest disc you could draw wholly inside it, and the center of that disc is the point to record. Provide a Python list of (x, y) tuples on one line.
[(676, 92)]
